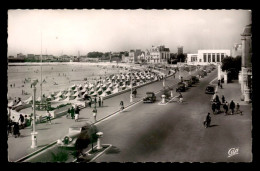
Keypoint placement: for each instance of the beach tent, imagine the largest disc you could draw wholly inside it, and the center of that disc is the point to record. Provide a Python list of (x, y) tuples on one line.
[(76, 94), (19, 104), (94, 94), (58, 99), (79, 99), (59, 94), (28, 100), (115, 90), (10, 104)]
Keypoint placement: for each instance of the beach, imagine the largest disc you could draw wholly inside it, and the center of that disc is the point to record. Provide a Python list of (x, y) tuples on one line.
[(55, 76)]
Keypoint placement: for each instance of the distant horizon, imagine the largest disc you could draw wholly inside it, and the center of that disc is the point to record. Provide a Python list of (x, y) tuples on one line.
[(70, 31)]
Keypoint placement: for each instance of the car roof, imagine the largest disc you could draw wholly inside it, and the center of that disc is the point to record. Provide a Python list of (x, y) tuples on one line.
[(149, 92), (210, 86)]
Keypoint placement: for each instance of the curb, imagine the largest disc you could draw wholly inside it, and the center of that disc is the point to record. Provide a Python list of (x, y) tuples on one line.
[(36, 152)]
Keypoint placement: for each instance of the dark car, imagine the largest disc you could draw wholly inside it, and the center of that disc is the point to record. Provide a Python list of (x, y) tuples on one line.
[(188, 83), (181, 87), (194, 80), (150, 97), (75, 133), (210, 89)]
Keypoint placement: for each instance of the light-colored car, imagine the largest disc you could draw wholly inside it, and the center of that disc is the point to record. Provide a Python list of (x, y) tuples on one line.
[(74, 132)]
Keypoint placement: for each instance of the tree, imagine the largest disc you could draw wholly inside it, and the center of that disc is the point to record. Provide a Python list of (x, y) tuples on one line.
[(232, 66), (181, 57)]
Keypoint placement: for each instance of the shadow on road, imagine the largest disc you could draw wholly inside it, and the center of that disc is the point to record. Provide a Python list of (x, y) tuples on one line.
[(213, 125), (113, 150)]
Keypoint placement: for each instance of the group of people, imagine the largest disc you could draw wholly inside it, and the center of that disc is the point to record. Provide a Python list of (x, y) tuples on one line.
[(100, 101), (73, 113), (15, 126), (216, 106)]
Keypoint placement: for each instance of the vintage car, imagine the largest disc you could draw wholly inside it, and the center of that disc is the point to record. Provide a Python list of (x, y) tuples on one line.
[(194, 80), (210, 89), (150, 97), (75, 132), (188, 83), (180, 87)]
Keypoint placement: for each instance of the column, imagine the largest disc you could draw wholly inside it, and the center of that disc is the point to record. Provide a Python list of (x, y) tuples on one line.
[(219, 72)]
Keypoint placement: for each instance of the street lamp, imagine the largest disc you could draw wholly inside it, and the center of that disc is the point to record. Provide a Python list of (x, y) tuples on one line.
[(131, 94), (34, 134)]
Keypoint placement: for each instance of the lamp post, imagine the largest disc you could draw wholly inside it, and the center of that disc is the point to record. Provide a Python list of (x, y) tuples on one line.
[(131, 94), (34, 134)]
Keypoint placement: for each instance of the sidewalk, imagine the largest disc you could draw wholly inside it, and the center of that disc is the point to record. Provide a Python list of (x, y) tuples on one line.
[(20, 147)]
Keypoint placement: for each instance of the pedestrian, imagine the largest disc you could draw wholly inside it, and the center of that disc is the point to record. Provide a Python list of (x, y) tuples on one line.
[(232, 107), (225, 107), (122, 105), (48, 117), (238, 109), (95, 114), (72, 112), (90, 102), (180, 98), (99, 101), (213, 107), (25, 121), (76, 113), (16, 130), (68, 113), (95, 101), (221, 85), (14, 84), (223, 99), (11, 85), (218, 83), (21, 121), (207, 121), (102, 102), (218, 107), (217, 98)]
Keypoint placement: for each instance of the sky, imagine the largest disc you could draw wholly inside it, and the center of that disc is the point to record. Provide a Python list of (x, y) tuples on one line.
[(68, 32)]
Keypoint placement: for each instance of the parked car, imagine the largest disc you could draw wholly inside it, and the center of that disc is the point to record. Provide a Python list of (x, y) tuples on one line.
[(76, 132), (180, 87), (150, 97), (194, 80), (188, 83), (210, 89)]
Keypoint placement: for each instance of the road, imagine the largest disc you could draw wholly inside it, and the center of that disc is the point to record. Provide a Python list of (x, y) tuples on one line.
[(174, 132), (171, 133)]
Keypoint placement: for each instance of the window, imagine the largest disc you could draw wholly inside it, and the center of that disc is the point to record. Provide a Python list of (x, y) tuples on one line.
[(205, 57), (222, 56), (213, 57), (218, 57), (209, 57)]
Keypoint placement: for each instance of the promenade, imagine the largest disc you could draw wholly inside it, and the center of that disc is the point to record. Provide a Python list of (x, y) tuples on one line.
[(48, 133)]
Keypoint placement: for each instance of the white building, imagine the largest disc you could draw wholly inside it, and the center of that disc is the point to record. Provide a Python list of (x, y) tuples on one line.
[(205, 57)]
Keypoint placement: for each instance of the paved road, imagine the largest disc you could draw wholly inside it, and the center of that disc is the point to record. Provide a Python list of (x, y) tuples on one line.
[(174, 132)]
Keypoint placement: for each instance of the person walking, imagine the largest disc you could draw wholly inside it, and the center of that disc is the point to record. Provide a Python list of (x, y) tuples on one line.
[(76, 113), (95, 114), (238, 109), (72, 112), (213, 107), (180, 98), (99, 102), (225, 107), (16, 130), (48, 117), (218, 107), (90, 102), (95, 101), (25, 124), (21, 121), (207, 121), (232, 107), (122, 105), (102, 102), (223, 99)]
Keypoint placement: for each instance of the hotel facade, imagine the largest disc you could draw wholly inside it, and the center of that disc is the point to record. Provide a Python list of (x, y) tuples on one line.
[(205, 57)]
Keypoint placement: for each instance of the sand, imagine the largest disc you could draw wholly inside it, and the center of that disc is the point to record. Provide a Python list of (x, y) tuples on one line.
[(58, 76)]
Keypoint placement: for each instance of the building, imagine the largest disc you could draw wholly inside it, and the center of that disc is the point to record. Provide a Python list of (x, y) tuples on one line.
[(236, 50), (134, 54), (180, 50), (246, 66), (205, 57), (20, 56), (158, 54)]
